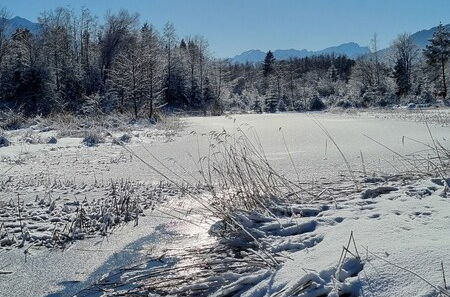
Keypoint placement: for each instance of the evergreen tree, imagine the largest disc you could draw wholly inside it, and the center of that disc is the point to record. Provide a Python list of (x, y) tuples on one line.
[(183, 45), (332, 73), (437, 54), (268, 65), (401, 78)]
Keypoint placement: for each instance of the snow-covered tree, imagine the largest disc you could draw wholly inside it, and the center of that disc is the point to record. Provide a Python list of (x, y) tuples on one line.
[(405, 54), (437, 54)]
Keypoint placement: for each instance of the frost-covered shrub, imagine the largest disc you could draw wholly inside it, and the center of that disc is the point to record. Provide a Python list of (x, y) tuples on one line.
[(31, 138), (52, 140), (257, 106), (271, 105), (216, 107), (239, 86), (325, 89), (282, 106), (382, 102), (378, 99), (11, 121), (344, 103), (424, 98), (427, 97), (93, 138), (298, 105), (125, 138), (316, 103), (369, 99), (91, 105), (4, 141)]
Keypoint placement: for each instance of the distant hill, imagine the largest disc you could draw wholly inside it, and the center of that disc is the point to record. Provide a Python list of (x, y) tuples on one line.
[(351, 50), (421, 38), (21, 23)]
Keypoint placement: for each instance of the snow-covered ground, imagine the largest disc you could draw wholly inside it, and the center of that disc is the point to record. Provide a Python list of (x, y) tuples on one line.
[(52, 182), (406, 227)]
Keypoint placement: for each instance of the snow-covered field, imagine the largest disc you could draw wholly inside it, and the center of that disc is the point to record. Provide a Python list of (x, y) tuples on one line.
[(85, 212)]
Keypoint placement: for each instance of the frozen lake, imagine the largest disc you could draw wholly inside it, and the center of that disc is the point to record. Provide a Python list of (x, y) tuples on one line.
[(315, 157)]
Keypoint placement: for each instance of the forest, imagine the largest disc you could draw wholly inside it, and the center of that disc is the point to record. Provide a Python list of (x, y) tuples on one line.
[(80, 64)]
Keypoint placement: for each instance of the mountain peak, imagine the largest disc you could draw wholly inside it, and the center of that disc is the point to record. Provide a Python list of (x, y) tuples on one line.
[(21, 23), (350, 49)]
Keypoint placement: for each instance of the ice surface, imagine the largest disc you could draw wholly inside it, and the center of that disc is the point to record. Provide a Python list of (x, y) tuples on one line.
[(406, 223)]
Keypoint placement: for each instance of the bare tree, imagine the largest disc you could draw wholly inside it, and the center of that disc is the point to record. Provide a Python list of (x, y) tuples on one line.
[(25, 47), (169, 38), (115, 36), (128, 75), (375, 55), (4, 23), (405, 55), (151, 56)]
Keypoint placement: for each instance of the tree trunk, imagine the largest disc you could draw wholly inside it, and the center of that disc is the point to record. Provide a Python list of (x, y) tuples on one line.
[(444, 94), (135, 107), (151, 94)]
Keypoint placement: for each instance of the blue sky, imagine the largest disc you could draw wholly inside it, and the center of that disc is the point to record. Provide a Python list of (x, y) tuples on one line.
[(233, 26)]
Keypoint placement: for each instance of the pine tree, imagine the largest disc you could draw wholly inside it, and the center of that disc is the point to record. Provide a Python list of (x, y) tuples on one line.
[(401, 78), (332, 73), (183, 45), (437, 54), (268, 65)]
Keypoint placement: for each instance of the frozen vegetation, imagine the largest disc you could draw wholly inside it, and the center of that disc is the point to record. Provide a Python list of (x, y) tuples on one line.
[(301, 211)]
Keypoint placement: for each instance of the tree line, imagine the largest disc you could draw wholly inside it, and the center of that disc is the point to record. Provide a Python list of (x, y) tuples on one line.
[(75, 64), (401, 74), (78, 64)]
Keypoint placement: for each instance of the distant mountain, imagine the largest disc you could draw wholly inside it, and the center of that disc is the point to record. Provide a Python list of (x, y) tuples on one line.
[(21, 23), (421, 38), (351, 50), (251, 56)]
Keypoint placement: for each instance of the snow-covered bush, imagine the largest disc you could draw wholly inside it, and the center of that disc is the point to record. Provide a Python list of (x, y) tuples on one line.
[(271, 105), (11, 120), (298, 105), (93, 138), (52, 140), (325, 88), (282, 105), (4, 141), (316, 103), (344, 103), (257, 106), (91, 105), (125, 138), (30, 137), (378, 98)]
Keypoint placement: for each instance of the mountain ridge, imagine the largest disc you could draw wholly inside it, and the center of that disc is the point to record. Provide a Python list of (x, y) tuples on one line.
[(350, 49), (20, 23)]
